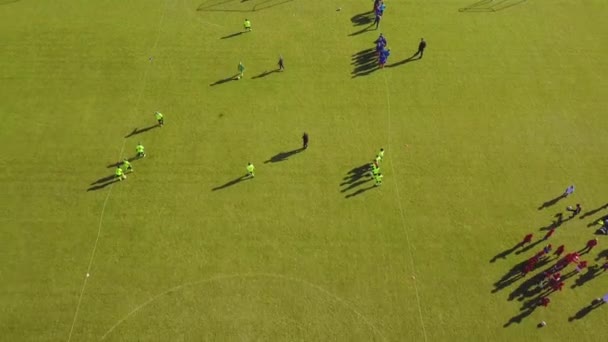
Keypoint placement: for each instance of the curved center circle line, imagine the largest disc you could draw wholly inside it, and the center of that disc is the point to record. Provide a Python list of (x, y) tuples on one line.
[(174, 289)]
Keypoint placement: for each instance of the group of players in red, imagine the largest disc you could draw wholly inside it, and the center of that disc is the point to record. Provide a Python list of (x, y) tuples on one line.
[(553, 276)]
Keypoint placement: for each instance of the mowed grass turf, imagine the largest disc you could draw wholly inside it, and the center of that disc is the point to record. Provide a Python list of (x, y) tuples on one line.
[(503, 112)]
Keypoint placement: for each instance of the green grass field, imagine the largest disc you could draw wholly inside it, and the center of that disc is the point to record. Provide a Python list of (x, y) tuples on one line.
[(504, 111)]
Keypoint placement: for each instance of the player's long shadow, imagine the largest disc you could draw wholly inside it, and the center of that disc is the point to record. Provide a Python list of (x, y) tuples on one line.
[(363, 30), (362, 19), (232, 182), (265, 73), (518, 318), (355, 174), (224, 80), (485, 6), (527, 309), (506, 252), (102, 183), (365, 62), (510, 277), (594, 211), (232, 35), (601, 255), (559, 220), (551, 202), (132, 159), (528, 288), (595, 222), (407, 60), (530, 246), (596, 303), (137, 131), (256, 5), (103, 180), (592, 272), (279, 157)]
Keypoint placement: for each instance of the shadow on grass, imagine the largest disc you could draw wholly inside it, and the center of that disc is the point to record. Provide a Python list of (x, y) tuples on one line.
[(506, 252), (282, 156), (103, 182), (527, 309), (232, 182), (226, 6), (529, 287), (104, 179), (354, 179), (596, 303), (559, 220), (530, 246), (99, 186), (363, 30), (236, 34), (519, 318), (592, 272), (362, 19), (224, 80), (595, 222), (355, 184), (118, 163), (137, 131), (407, 60), (513, 275), (488, 6), (365, 62), (356, 173), (594, 211), (265, 73), (602, 255), (551, 202)]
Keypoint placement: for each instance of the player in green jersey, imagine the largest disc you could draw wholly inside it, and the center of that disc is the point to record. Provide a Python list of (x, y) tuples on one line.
[(251, 170), (160, 118), (241, 69), (381, 154), (378, 179), (126, 165), (120, 174), (139, 149)]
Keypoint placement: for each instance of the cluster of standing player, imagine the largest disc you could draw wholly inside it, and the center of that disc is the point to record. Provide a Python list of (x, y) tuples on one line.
[(552, 279), (123, 167), (382, 50), (375, 168)]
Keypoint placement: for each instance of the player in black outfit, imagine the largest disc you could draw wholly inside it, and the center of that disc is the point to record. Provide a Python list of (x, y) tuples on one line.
[(305, 141), (421, 48)]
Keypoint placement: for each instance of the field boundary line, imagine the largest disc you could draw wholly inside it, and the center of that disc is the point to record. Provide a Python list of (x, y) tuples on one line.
[(105, 202), (402, 211)]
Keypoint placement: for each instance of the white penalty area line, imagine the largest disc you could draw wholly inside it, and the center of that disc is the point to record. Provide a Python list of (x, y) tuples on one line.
[(105, 202), (402, 211)]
